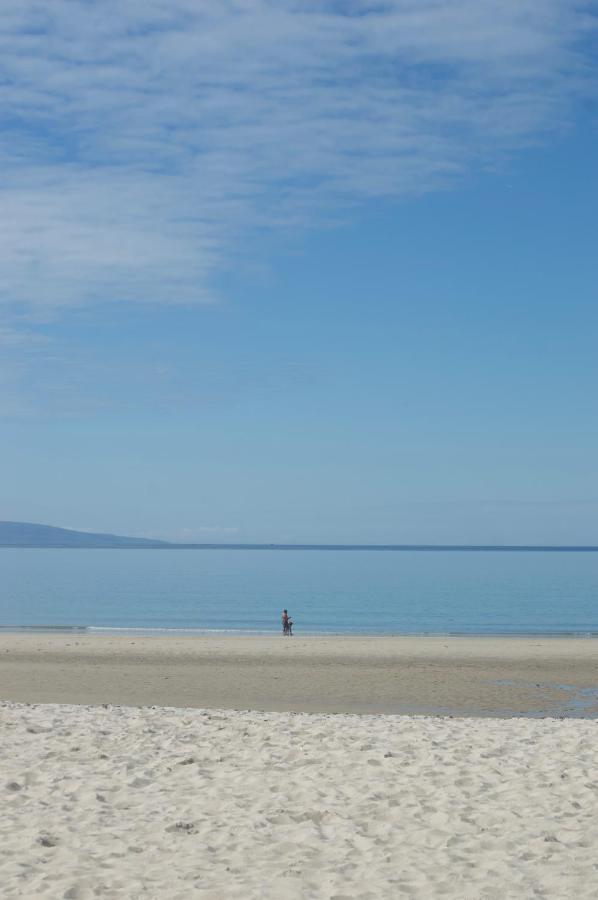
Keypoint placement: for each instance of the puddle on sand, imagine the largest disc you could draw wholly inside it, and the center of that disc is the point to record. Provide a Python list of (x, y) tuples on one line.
[(576, 703)]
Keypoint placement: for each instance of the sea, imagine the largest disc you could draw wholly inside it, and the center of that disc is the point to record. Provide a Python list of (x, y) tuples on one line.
[(326, 591)]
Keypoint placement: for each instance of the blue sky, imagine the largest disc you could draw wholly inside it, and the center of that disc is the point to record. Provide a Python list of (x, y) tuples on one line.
[(298, 271)]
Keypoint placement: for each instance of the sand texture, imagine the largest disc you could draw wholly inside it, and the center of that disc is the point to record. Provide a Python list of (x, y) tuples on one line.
[(430, 675), (178, 803)]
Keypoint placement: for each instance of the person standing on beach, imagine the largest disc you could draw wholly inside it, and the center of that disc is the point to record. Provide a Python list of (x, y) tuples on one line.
[(285, 621)]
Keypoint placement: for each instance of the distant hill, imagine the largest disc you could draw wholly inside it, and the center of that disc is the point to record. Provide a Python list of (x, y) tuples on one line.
[(28, 534)]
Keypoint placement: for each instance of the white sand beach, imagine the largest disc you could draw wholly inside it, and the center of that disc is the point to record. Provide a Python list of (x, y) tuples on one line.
[(177, 803), (133, 768)]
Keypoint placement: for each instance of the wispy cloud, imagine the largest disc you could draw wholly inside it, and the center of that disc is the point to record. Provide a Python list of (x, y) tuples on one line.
[(203, 532), (142, 139), (11, 338)]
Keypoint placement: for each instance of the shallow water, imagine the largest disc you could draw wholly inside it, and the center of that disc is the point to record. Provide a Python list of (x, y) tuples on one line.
[(325, 591)]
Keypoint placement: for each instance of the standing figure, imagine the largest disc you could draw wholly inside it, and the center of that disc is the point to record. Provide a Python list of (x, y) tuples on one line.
[(285, 621)]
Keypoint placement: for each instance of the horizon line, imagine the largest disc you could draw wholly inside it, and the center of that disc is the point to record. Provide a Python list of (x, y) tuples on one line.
[(165, 545)]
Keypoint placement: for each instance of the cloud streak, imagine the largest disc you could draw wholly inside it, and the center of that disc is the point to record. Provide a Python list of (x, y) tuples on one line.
[(144, 140)]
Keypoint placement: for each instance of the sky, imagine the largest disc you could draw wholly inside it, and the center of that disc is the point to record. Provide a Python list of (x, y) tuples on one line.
[(297, 271)]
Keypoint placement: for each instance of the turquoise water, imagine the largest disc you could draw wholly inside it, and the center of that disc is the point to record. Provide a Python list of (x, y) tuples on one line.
[(325, 591)]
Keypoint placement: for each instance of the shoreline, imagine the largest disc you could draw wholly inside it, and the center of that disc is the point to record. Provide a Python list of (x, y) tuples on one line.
[(487, 676), (173, 631)]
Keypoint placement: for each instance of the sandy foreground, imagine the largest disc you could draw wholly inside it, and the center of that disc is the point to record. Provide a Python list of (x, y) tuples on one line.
[(130, 767), (430, 675), (177, 803)]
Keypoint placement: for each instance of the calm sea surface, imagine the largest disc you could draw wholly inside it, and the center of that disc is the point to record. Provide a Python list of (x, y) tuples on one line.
[(325, 591)]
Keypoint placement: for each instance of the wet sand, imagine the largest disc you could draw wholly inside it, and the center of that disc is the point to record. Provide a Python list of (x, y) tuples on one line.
[(461, 676)]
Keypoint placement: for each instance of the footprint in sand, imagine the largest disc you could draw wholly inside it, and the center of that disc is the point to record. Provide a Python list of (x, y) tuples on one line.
[(77, 892), (48, 840), (140, 782), (182, 828)]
